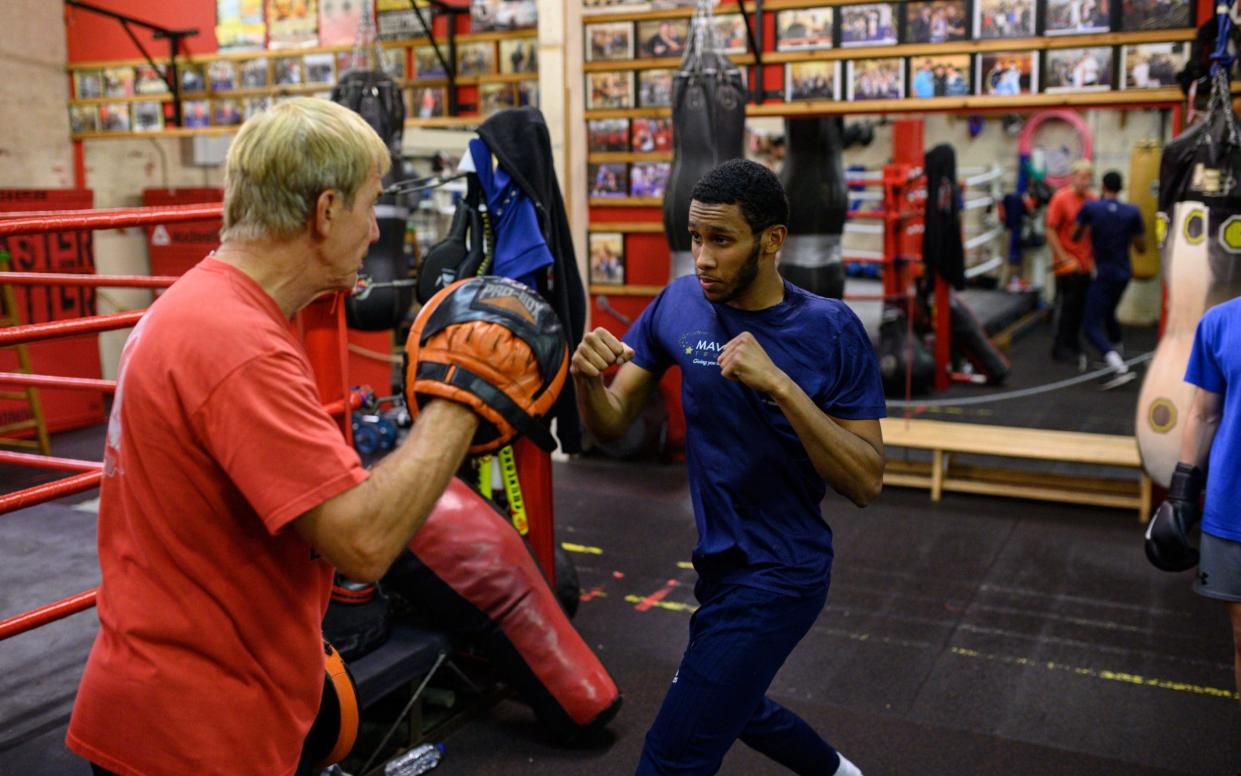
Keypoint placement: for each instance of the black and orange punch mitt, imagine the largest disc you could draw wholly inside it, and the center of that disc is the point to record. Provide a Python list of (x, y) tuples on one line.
[(494, 345)]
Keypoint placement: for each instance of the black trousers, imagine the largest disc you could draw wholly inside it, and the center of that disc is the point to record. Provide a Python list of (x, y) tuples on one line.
[(1070, 312)]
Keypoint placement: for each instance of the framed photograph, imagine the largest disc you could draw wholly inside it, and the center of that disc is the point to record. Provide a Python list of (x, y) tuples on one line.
[(118, 82), (1003, 19), (222, 75), (87, 84), (519, 56), (649, 179), (607, 135), (812, 81), (1155, 14), (609, 42), (528, 93), (320, 68), (869, 24), (1152, 65), (427, 64), (655, 88), (607, 258), (288, 70), (193, 77), (1078, 70), (939, 75), (196, 113), (114, 117), (608, 179), (1007, 73), (493, 98), (609, 90), (83, 118), (429, 102), (939, 21), (253, 73), (148, 116), (1076, 17), (149, 81), (663, 37), (225, 113), (476, 58), (256, 105), (393, 63), (877, 79), (730, 34), (651, 135), (804, 29), (493, 15)]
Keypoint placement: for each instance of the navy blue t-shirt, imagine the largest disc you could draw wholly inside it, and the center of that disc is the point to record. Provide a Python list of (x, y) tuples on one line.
[(755, 492), (1214, 364), (1112, 225)]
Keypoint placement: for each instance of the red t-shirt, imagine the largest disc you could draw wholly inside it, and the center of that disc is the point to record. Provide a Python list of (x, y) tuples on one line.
[(208, 657), (1062, 217)]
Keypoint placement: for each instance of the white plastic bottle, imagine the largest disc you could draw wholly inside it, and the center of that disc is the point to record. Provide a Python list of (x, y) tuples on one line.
[(418, 760)]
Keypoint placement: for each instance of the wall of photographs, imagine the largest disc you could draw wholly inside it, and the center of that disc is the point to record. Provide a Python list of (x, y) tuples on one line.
[(495, 70)]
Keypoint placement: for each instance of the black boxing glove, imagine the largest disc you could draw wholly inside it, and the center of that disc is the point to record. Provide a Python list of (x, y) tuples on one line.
[(1167, 535)]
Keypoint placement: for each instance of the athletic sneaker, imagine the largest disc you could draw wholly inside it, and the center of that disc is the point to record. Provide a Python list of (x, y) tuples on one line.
[(846, 768), (1117, 380)]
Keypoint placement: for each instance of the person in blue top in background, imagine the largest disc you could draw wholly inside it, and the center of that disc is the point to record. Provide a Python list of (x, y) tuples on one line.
[(782, 398), (1114, 226)]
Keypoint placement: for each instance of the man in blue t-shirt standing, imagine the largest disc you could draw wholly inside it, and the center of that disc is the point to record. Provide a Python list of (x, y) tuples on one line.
[(782, 398), (1114, 226)]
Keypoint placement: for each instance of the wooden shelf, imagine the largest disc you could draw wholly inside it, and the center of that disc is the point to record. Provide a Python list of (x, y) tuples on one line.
[(162, 97), (626, 201), (608, 290), (652, 63), (198, 59), (627, 227), (626, 156), (446, 122), (630, 113), (166, 132), (483, 37)]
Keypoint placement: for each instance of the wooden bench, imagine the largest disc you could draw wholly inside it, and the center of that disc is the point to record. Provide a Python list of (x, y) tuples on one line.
[(941, 474)]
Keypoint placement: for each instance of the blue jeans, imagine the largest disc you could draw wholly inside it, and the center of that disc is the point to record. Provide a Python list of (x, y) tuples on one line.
[(739, 638), (1099, 320)]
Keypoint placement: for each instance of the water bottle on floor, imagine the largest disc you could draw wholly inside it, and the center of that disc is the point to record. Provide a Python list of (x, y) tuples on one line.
[(418, 760)]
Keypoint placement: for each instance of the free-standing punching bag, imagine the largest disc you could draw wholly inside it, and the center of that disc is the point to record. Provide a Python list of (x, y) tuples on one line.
[(708, 128)]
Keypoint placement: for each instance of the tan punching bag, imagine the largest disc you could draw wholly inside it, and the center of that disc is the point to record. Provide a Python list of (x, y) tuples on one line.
[(1144, 193)]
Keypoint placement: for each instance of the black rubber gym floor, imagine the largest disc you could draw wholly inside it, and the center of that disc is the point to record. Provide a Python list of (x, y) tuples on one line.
[(972, 636)]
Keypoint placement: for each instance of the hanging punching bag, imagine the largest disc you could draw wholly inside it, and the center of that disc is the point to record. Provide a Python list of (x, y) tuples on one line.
[(814, 179), (1199, 227), (708, 127)]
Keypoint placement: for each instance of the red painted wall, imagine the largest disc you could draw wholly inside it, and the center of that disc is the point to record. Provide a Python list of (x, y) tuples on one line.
[(92, 37)]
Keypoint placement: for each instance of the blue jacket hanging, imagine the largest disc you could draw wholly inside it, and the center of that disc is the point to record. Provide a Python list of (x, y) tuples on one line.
[(520, 249)]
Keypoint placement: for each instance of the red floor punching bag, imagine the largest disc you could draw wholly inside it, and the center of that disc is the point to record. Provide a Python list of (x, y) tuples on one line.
[(469, 572)]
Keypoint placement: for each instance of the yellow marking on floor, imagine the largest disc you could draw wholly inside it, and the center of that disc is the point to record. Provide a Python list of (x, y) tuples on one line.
[(684, 564), (670, 605), (582, 548)]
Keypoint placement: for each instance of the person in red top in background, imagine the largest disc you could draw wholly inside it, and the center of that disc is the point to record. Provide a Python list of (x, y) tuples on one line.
[(1072, 262), (229, 494)]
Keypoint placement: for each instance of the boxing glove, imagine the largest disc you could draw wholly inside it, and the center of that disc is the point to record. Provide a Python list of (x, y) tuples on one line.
[(1167, 534)]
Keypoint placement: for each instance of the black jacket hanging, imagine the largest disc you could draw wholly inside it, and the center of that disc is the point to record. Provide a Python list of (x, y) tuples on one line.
[(942, 250)]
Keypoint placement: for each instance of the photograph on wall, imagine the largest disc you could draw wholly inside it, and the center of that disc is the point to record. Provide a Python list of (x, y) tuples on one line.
[(662, 37), (114, 117), (476, 58), (427, 64), (193, 77), (87, 84), (817, 80), (1155, 14), (877, 79), (730, 34), (651, 135), (1007, 73), (609, 42), (608, 179), (118, 82), (607, 258), (225, 113), (655, 88), (1152, 65), (288, 70), (870, 24), (239, 25), (253, 73), (528, 94), (148, 116), (939, 75), (519, 56), (429, 102), (339, 21), (393, 63), (148, 80), (292, 23), (495, 15), (603, 135), (1003, 19), (222, 75), (609, 90), (83, 118), (1076, 17), (1078, 69), (255, 105), (196, 113), (396, 20), (493, 98), (804, 29), (649, 179), (936, 22), (320, 68)]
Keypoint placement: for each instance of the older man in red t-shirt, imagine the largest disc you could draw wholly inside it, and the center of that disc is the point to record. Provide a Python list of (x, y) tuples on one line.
[(1071, 261)]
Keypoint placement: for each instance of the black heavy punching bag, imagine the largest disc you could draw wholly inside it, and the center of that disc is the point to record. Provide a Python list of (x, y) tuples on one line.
[(814, 179), (708, 127)]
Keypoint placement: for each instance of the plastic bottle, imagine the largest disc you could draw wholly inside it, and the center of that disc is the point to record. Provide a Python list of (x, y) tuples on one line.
[(418, 760)]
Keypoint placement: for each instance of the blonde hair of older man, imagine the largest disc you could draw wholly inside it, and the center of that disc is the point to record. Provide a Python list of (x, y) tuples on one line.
[(286, 156)]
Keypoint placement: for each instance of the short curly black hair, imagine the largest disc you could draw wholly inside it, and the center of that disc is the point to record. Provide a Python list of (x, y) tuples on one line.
[(1112, 181), (750, 186)]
